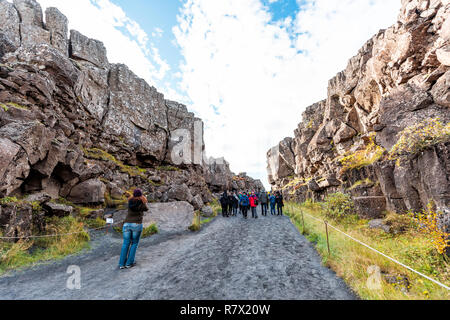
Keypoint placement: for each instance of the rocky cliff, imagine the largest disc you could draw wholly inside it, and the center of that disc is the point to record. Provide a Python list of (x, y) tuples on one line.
[(75, 126), (383, 133)]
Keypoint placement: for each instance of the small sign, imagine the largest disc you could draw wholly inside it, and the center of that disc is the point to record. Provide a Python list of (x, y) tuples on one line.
[(109, 220)]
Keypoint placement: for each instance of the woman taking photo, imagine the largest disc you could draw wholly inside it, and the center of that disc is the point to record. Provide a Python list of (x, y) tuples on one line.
[(132, 229)]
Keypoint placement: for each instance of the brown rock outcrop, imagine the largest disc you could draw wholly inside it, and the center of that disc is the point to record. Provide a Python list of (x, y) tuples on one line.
[(398, 79), (73, 125)]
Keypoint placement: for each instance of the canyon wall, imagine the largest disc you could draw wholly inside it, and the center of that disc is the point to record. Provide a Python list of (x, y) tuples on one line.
[(398, 85), (74, 126)]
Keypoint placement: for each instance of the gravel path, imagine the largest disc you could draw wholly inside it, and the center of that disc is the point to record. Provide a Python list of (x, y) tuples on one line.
[(230, 259)]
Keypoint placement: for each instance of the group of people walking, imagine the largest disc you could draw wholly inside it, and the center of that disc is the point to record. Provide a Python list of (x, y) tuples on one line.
[(232, 204), (244, 202)]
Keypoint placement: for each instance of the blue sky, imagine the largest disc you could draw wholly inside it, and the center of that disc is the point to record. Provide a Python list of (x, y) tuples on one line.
[(248, 68), (153, 14)]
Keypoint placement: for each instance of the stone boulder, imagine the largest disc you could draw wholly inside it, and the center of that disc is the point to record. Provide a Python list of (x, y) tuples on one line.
[(14, 167), (16, 220), (197, 202), (379, 224), (41, 197), (441, 90), (207, 211), (57, 24), (9, 24), (91, 50), (180, 193), (88, 192), (32, 30), (58, 210), (172, 216), (370, 207)]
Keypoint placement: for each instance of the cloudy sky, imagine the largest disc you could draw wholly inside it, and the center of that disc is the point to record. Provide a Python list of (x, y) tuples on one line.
[(248, 68)]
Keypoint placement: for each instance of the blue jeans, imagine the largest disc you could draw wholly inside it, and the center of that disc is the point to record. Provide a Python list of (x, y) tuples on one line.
[(131, 236), (272, 209), (280, 209)]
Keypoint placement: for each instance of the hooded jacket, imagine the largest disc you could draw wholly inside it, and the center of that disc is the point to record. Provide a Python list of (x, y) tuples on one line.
[(136, 209)]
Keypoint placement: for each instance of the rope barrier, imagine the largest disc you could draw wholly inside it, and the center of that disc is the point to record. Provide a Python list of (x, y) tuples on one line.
[(59, 235), (381, 253)]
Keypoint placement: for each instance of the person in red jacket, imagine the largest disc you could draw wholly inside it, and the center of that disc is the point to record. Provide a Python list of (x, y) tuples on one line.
[(254, 205)]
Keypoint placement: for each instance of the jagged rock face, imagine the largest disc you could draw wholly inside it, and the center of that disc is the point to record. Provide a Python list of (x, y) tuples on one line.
[(73, 125), (10, 27), (220, 177), (399, 78), (57, 24)]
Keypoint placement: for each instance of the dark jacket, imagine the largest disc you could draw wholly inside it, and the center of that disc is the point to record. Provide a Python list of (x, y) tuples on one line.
[(136, 209), (263, 198), (235, 201), (279, 200), (224, 199)]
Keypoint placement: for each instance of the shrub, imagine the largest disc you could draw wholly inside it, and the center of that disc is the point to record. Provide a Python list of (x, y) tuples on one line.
[(362, 158), (217, 208), (399, 223), (71, 238), (429, 224), (150, 230), (196, 223), (95, 223), (418, 137), (8, 200), (338, 205)]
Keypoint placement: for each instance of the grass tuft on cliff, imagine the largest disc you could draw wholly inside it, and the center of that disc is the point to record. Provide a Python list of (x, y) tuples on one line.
[(359, 266), (196, 222), (362, 158), (133, 171), (419, 137)]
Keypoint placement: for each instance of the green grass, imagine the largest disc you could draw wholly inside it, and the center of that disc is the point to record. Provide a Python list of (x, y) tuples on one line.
[(366, 182), (206, 221), (150, 230), (133, 171), (196, 222), (351, 261), (167, 168), (217, 208), (30, 252)]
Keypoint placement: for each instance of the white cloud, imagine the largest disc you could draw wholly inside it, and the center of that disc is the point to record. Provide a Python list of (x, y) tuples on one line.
[(259, 75), (126, 42)]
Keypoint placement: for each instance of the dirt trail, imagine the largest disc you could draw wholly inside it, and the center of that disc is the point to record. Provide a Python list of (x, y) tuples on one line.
[(230, 259)]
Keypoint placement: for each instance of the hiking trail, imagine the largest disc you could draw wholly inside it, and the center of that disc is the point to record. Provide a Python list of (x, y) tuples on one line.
[(229, 259)]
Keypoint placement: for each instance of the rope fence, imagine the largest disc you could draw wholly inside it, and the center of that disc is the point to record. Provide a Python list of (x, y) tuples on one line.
[(60, 235), (369, 247)]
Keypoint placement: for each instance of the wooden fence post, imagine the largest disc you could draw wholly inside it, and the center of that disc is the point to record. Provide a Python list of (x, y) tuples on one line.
[(328, 241), (303, 222)]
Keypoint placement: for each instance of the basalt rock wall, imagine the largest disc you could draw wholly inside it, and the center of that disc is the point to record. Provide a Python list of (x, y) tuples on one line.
[(399, 79), (73, 125)]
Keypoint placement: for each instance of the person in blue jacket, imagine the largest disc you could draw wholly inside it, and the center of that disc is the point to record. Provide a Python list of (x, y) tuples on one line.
[(272, 201), (245, 203)]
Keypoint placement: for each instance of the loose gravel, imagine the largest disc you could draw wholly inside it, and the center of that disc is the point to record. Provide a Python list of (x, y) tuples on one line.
[(229, 259)]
